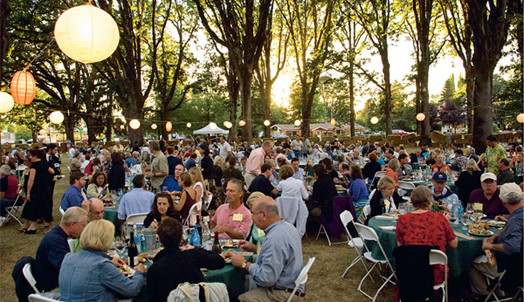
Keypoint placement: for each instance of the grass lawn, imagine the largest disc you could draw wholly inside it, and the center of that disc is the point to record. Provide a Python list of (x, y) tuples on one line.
[(324, 282)]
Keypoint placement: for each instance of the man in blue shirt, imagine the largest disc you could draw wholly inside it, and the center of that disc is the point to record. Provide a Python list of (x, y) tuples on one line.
[(299, 172), (280, 259), (137, 201), (191, 162), (73, 196)]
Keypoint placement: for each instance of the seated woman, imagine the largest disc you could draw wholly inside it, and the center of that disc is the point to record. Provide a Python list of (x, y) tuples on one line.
[(97, 187), (424, 227), (371, 167), (328, 167), (256, 236), (468, 181), (323, 193), (172, 266), (89, 275), (187, 199), (384, 199), (392, 170), (161, 208), (358, 190), (290, 186)]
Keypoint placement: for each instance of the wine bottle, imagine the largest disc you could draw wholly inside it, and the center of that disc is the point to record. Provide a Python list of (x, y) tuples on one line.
[(216, 245), (132, 251)]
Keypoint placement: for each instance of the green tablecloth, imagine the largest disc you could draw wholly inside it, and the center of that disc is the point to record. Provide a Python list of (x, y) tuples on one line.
[(459, 259)]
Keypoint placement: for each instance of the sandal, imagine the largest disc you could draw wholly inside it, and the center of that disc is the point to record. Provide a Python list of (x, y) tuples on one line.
[(22, 230), (31, 232)]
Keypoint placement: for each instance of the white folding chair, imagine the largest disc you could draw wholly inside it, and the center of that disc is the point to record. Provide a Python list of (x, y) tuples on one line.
[(207, 200), (438, 257), (405, 187), (192, 211), (26, 270), (15, 211), (302, 278), (346, 218), (377, 176), (40, 298), (367, 233), (136, 218)]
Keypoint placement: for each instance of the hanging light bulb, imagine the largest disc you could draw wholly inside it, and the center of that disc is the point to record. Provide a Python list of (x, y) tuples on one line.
[(212, 126), (122, 127), (228, 124), (242, 123), (134, 124), (297, 123), (374, 120), (267, 123), (6, 102), (169, 126), (420, 117), (333, 122), (153, 126), (188, 125), (56, 117), (520, 118)]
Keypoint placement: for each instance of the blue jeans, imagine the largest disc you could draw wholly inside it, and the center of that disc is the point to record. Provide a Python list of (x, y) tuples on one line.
[(5, 202), (297, 153)]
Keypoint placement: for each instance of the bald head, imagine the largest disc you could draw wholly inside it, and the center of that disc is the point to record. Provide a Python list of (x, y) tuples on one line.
[(265, 212), (96, 209)]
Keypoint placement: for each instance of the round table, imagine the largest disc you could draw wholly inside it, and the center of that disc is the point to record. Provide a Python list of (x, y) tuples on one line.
[(459, 259)]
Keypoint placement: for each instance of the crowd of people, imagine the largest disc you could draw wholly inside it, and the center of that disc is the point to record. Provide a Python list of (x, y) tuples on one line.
[(242, 181)]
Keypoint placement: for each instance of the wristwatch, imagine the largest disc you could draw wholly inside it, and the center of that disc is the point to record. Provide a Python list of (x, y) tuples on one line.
[(244, 265)]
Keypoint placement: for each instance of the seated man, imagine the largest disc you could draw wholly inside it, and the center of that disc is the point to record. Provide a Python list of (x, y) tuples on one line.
[(96, 209), (343, 168), (172, 182), (504, 243), (233, 219), (191, 162), (459, 162), (505, 175), (262, 183), (441, 192), (137, 200), (488, 196), (54, 247), (405, 170), (73, 196), (172, 266), (279, 261), (299, 172), (8, 190)]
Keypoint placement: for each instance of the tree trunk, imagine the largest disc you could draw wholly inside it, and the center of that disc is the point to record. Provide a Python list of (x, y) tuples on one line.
[(69, 124), (245, 81), (109, 129), (4, 37), (470, 89), (387, 87), (352, 97), (163, 121), (482, 117)]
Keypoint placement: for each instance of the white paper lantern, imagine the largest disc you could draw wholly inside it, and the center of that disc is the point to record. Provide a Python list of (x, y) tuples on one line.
[(188, 125), (86, 34), (520, 118), (297, 123), (420, 117), (41, 132), (134, 124), (374, 120), (212, 126), (153, 126), (6, 102), (267, 123), (242, 123), (56, 117), (169, 126), (122, 126), (228, 124)]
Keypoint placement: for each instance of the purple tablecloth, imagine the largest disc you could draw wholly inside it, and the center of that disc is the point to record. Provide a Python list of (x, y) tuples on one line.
[(340, 204)]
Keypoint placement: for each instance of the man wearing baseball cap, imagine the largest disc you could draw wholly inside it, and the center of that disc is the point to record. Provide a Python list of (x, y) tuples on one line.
[(503, 244), (441, 192), (488, 196)]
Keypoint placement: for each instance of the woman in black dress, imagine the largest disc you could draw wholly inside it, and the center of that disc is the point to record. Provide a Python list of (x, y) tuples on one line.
[(323, 193), (117, 174), (468, 181), (37, 192)]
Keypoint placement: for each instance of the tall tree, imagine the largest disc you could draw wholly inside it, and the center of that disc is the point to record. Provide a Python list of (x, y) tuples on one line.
[(490, 24), (4, 36), (241, 27), (310, 27)]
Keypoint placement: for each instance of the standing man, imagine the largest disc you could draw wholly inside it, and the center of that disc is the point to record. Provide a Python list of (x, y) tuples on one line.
[(494, 152), (54, 163), (297, 145), (159, 167), (256, 160), (280, 259), (225, 147)]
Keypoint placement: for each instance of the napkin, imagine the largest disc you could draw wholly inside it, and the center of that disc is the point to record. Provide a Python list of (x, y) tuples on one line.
[(388, 227), (385, 217)]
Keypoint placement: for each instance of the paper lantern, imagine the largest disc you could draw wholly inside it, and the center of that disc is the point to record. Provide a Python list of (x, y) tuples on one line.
[(56, 117), (153, 126), (333, 122), (212, 126), (41, 132), (134, 124), (86, 34), (23, 87), (267, 123), (420, 117), (297, 123), (188, 125), (122, 126), (242, 123), (6, 102), (228, 124), (374, 120), (520, 118), (169, 126)]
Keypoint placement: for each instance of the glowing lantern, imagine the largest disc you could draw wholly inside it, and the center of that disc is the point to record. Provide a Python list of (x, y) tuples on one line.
[(134, 124), (267, 123), (212, 126), (153, 126), (228, 124), (520, 118), (169, 126), (297, 123), (374, 120), (188, 125), (333, 122), (41, 132), (23, 87), (56, 117), (122, 126), (420, 117), (6, 102), (242, 123), (86, 33)]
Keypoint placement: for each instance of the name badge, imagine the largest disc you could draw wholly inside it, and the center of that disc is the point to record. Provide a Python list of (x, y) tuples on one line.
[(261, 233), (237, 217), (477, 206)]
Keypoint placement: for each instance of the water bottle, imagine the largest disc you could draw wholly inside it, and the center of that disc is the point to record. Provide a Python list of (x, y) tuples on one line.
[(460, 211), (195, 237), (454, 214)]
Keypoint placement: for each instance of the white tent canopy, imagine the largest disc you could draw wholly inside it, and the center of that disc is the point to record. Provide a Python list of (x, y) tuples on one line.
[(207, 130)]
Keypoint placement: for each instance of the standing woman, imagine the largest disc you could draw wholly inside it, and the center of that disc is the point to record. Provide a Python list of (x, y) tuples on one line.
[(187, 199), (197, 183), (117, 174), (37, 193), (207, 166)]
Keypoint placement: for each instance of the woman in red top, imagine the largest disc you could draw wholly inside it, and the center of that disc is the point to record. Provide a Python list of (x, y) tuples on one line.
[(392, 170), (424, 227)]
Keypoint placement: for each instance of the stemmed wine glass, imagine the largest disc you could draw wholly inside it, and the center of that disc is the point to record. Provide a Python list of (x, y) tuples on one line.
[(120, 245)]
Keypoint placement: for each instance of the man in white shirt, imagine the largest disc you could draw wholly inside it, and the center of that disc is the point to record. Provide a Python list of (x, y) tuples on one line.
[(299, 172), (297, 145), (225, 147)]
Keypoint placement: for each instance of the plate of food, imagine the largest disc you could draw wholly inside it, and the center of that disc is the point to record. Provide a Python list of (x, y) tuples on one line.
[(127, 271), (496, 224), (230, 243), (480, 232)]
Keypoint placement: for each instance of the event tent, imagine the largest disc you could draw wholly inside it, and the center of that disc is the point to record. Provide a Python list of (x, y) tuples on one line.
[(207, 130)]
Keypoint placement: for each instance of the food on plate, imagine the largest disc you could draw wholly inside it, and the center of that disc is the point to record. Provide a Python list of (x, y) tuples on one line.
[(480, 232), (497, 224), (480, 225)]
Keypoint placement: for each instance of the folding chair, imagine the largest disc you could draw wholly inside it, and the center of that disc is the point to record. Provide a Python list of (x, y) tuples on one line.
[(40, 298), (367, 233), (302, 278), (346, 217), (438, 257), (405, 187), (136, 218), (192, 211), (15, 211)]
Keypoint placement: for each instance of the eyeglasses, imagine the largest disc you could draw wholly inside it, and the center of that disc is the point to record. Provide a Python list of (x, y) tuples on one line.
[(256, 213)]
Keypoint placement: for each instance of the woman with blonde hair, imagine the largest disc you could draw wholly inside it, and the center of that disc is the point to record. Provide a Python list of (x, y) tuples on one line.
[(468, 181), (384, 199), (392, 170), (197, 183), (89, 275)]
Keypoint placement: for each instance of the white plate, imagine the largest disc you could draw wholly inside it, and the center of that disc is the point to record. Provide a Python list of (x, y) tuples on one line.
[(482, 235)]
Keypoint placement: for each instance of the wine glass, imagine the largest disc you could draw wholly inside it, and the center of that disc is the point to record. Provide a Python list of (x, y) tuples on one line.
[(120, 245)]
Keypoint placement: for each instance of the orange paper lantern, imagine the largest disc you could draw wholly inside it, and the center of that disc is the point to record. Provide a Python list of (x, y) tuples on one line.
[(23, 87)]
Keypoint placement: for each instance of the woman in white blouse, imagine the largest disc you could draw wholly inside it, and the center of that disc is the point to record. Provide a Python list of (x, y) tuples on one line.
[(290, 186)]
